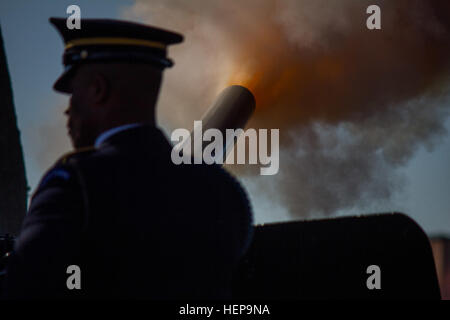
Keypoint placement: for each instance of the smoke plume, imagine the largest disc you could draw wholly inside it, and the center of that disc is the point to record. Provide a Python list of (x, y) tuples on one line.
[(352, 104)]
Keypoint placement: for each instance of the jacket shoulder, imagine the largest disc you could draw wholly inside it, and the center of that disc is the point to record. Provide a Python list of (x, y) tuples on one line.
[(62, 171), (79, 153)]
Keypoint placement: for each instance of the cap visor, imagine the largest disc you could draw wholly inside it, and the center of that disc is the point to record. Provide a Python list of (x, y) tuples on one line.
[(62, 84)]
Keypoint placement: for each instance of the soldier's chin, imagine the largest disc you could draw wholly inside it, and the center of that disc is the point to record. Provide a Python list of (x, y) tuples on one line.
[(78, 141)]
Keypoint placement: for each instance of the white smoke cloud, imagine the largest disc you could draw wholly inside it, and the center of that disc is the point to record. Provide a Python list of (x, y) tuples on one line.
[(352, 106)]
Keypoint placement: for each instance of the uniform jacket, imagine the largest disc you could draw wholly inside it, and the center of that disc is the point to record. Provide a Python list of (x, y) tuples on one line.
[(137, 225)]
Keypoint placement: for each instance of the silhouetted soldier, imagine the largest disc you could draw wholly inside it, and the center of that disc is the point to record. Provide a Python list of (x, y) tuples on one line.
[(136, 224)]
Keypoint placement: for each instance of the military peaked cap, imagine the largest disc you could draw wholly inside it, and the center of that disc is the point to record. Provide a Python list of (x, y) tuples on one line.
[(107, 40)]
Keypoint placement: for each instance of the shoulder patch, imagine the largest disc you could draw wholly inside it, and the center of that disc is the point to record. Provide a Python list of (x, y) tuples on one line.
[(58, 173), (84, 150)]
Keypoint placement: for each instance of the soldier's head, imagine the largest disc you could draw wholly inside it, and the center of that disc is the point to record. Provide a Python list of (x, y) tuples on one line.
[(113, 74), (104, 96)]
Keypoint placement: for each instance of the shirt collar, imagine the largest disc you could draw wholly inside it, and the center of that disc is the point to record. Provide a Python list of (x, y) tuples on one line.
[(110, 132)]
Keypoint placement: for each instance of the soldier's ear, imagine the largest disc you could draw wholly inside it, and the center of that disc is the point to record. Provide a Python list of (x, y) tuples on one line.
[(100, 88)]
